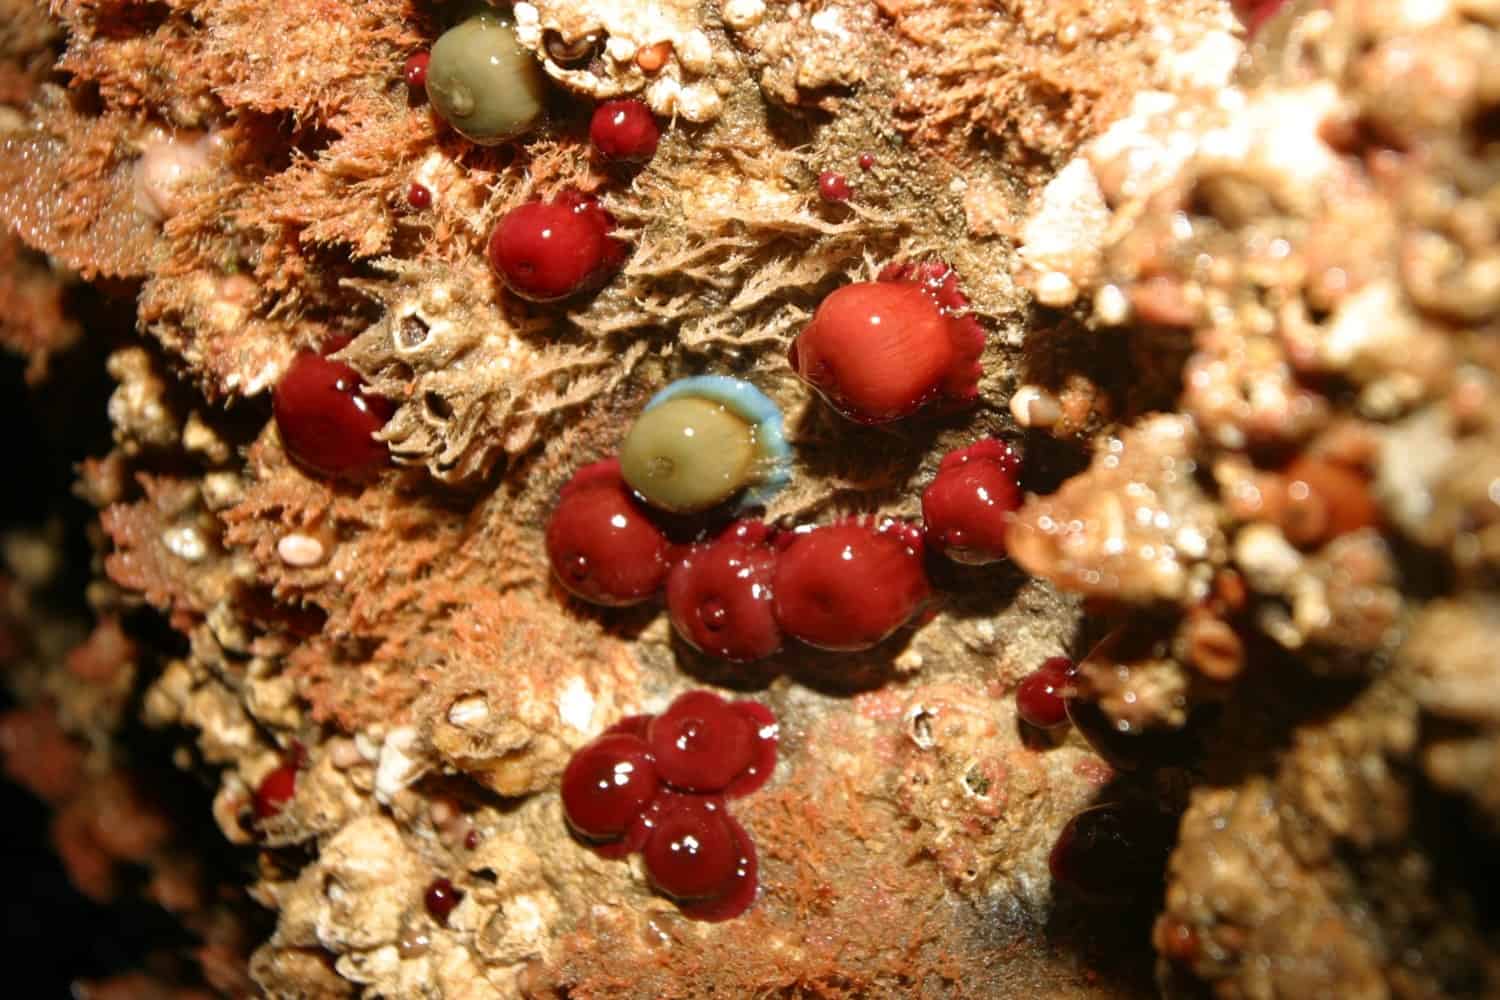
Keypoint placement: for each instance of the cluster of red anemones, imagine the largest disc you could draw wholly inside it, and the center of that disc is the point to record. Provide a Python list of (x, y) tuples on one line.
[(737, 592), (543, 251), (547, 250), (660, 784)]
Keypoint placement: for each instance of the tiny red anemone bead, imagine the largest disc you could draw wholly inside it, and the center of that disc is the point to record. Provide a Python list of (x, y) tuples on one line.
[(719, 595), (879, 350), (547, 250), (415, 70), (441, 899), (624, 129), (834, 186), (607, 785), (691, 852), (602, 544), (967, 505), (326, 422), (1042, 696), (848, 586), (275, 790), (701, 743)]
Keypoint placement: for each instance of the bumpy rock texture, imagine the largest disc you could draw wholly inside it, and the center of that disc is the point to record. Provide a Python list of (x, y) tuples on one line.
[(1241, 297)]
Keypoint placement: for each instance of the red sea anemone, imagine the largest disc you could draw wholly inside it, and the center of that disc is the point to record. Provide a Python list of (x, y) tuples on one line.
[(602, 544), (847, 586), (880, 350), (966, 507)]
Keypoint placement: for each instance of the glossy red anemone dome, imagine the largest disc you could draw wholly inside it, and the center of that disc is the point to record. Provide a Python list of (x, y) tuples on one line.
[(415, 70), (880, 350), (441, 899), (546, 250), (607, 785), (834, 186), (966, 506), (703, 743), (1042, 696), (624, 129), (847, 586), (602, 544), (719, 595), (327, 424), (697, 854)]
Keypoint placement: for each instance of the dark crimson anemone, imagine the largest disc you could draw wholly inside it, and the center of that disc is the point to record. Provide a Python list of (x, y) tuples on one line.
[(546, 250), (880, 350), (326, 422), (847, 586), (1042, 696), (697, 854), (441, 899), (966, 507), (602, 544), (719, 595), (606, 787), (1113, 853), (624, 130), (703, 743)]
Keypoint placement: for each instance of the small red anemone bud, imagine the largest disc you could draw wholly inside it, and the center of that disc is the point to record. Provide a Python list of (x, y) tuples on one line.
[(834, 186), (415, 70), (275, 790), (848, 586), (880, 350), (326, 422), (966, 507), (607, 785), (624, 130), (546, 250), (1042, 696), (441, 899), (602, 544), (719, 595)]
